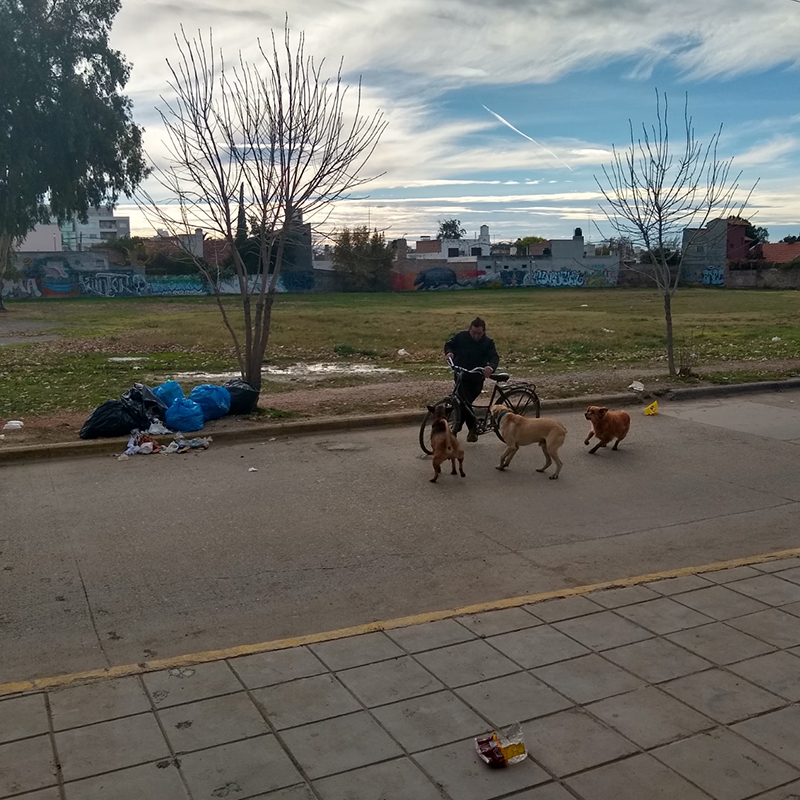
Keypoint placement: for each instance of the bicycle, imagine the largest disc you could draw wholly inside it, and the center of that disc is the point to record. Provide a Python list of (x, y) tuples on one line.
[(519, 396)]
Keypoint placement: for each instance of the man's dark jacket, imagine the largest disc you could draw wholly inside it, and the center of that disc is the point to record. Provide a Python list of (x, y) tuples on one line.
[(468, 353)]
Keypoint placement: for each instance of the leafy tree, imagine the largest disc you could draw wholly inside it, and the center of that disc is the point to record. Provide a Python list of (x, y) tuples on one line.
[(525, 242), (450, 229), (67, 139), (362, 260), (758, 235), (790, 239)]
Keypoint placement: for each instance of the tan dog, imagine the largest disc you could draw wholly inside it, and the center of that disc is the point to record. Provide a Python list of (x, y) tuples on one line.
[(607, 425), (444, 443), (517, 431)]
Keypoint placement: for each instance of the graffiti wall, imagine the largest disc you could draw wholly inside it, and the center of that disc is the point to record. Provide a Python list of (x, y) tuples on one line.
[(90, 275), (457, 276)]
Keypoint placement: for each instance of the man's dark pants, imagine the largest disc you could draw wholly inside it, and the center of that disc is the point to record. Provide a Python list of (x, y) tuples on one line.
[(471, 386)]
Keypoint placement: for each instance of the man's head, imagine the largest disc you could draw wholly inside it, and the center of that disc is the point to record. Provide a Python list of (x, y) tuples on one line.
[(477, 329)]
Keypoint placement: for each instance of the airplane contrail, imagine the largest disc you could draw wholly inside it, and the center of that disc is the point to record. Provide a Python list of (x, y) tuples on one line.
[(525, 135)]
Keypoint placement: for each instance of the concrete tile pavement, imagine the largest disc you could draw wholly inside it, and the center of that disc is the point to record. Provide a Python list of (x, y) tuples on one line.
[(683, 689)]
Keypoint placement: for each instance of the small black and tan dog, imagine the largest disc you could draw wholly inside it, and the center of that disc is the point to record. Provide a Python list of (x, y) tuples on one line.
[(444, 443)]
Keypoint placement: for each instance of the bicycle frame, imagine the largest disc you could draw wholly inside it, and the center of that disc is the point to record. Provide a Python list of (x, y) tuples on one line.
[(483, 422)]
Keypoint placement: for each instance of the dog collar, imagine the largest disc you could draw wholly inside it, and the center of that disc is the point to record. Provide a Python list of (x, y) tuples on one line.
[(501, 415)]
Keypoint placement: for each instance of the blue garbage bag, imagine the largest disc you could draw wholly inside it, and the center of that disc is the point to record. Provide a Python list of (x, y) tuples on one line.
[(184, 415), (214, 400), (169, 392)]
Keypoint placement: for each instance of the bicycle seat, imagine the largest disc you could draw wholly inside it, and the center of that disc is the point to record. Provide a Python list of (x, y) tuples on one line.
[(500, 377)]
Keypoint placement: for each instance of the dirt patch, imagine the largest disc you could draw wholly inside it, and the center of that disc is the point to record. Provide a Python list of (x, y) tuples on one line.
[(22, 331)]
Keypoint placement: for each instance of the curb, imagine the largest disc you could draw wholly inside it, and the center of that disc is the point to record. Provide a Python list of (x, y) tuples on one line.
[(37, 452)]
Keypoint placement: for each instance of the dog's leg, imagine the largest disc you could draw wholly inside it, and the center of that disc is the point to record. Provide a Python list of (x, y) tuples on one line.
[(436, 470), (591, 433), (461, 468), (554, 476), (597, 446), (453, 465), (548, 460), (506, 457), (616, 443)]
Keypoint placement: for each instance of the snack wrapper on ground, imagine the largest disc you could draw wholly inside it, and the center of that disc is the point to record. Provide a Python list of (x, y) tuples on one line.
[(652, 409), (501, 748)]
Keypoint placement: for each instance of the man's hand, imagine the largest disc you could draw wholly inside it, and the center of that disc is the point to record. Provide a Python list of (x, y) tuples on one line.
[(487, 371), (448, 357)]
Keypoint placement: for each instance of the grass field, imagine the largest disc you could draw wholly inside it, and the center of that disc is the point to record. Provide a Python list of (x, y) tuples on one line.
[(536, 331)]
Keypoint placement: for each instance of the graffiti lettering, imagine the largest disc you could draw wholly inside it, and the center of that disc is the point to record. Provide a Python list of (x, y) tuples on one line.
[(561, 277), (22, 289), (713, 277), (111, 284)]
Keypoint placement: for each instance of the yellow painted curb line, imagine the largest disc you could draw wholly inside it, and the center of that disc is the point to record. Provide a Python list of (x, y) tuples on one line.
[(124, 670)]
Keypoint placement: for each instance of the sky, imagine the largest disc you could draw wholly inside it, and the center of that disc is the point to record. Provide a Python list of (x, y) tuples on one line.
[(455, 78)]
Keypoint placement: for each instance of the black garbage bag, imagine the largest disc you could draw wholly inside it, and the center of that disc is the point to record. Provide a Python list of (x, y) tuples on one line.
[(143, 400), (113, 418), (244, 398)]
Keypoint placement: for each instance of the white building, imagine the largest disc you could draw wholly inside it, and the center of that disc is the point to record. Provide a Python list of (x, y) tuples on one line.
[(101, 226), (42, 239), (459, 249)]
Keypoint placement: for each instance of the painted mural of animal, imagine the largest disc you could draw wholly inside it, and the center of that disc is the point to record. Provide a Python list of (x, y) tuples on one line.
[(436, 278)]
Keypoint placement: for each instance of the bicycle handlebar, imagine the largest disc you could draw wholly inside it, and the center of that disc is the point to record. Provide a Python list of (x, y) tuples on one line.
[(474, 370)]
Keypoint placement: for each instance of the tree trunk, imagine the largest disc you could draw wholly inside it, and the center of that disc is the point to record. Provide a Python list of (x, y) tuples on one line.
[(258, 344), (670, 342), (5, 258)]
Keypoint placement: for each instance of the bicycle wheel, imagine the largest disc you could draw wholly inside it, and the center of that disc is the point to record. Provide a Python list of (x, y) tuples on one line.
[(453, 416), (521, 401)]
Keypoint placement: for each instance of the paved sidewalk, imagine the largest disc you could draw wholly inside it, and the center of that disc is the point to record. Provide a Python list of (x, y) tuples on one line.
[(680, 689)]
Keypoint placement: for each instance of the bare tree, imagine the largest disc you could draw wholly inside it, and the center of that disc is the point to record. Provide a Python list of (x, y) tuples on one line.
[(661, 194), (271, 143)]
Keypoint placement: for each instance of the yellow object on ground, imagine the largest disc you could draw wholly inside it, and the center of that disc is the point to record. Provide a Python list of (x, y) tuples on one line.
[(651, 409)]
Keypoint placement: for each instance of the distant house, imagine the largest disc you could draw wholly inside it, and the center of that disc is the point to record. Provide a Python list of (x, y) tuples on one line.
[(780, 253), (707, 251), (460, 249)]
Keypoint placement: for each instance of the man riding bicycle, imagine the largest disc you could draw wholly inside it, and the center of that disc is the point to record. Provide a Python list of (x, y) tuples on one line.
[(469, 349)]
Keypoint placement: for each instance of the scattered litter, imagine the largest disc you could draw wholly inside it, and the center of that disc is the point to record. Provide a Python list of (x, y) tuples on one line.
[(637, 386), (403, 352), (584, 305), (13, 425), (501, 748), (123, 457), (652, 409), (253, 469), (3, 436), (158, 429), (776, 338), (607, 330)]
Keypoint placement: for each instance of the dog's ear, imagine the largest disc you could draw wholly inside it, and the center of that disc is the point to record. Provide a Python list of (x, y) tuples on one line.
[(602, 411)]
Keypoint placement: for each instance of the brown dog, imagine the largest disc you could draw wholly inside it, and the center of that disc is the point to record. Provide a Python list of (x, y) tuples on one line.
[(444, 443), (517, 431), (607, 425)]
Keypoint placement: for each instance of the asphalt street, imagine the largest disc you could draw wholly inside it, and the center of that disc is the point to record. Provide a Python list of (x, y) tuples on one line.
[(106, 562)]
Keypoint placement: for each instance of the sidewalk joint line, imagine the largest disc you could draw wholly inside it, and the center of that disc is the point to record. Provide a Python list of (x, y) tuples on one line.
[(155, 665)]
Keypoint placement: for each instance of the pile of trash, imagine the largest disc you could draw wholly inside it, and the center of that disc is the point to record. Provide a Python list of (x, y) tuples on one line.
[(145, 412), (144, 444)]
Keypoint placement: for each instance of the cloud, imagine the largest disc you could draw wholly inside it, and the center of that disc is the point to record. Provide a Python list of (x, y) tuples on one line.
[(767, 152), (421, 59)]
